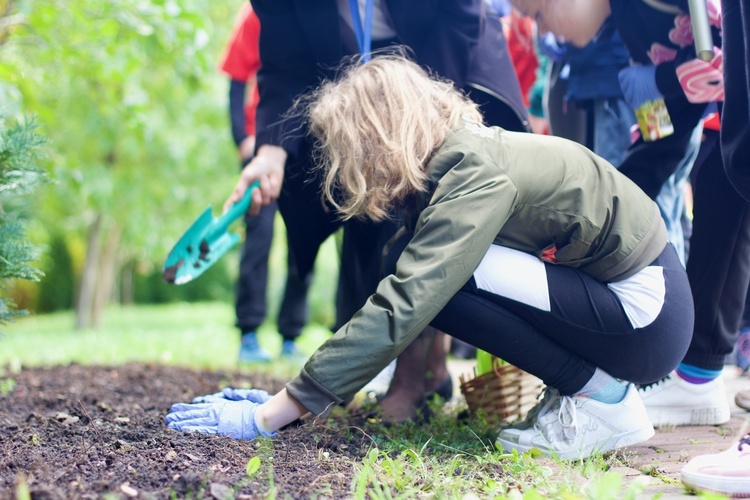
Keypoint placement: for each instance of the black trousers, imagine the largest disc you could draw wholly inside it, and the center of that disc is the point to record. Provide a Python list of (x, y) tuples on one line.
[(719, 263), (735, 121), (250, 304), (585, 328)]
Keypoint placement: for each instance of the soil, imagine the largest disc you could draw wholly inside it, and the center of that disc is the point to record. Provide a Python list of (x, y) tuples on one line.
[(86, 432)]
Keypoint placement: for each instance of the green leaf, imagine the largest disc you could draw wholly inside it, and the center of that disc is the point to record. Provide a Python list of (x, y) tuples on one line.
[(252, 466)]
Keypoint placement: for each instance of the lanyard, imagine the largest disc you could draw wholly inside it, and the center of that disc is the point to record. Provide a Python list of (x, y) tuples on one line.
[(363, 34)]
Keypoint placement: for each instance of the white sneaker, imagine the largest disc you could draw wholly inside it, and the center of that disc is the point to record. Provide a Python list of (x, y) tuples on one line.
[(674, 401), (576, 427), (727, 472)]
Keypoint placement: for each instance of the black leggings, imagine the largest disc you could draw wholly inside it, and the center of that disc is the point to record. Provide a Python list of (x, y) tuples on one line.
[(586, 328)]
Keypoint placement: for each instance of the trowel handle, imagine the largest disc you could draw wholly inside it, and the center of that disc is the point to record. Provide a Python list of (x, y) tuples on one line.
[(236, 210), (704, 43)]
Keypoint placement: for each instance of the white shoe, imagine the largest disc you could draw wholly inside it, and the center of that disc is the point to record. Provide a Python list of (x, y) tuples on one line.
[(727, 472), (674, 401), (576, 427)]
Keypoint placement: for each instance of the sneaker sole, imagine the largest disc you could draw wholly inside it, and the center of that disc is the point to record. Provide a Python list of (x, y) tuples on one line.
[(742, 403), (613, 443), (733, 487), (661, 417)]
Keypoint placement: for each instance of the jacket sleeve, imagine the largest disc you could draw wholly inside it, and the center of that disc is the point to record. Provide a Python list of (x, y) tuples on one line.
[(469, 206), (288, 68)]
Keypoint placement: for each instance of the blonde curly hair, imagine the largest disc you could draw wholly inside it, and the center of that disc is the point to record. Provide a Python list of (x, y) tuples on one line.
[(377, 127)]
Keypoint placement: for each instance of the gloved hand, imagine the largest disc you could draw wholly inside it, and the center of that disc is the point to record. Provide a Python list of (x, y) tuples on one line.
[(703, 81), (231, 394), (638, 84), (236, 419), (551, 47)]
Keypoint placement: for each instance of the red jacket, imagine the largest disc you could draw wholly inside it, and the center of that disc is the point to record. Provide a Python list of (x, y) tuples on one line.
[(241, 58)]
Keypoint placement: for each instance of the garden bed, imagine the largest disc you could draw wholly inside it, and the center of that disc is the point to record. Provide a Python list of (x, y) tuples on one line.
[(83, 432)]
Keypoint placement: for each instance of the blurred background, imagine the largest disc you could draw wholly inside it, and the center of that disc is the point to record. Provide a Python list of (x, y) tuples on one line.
[(115, 137)]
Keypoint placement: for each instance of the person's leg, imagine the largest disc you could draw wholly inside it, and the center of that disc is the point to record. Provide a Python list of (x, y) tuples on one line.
[(575, 334), (250, 302), (735, 119), (421, 370), (565, 119), (558, 323), (719, 265), (671, 197), (409, 384), (293, 312), (361, 264), (728, 472), (719, 273)]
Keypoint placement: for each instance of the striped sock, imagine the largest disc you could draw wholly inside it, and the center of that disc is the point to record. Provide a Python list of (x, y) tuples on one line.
[(604, 388), (696, 375)]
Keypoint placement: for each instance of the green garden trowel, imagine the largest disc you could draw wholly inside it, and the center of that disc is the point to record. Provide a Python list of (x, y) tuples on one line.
[(204, 243)]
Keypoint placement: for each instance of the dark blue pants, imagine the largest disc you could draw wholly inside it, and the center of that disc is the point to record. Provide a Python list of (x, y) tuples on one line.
[(585, 328), (250, 302)]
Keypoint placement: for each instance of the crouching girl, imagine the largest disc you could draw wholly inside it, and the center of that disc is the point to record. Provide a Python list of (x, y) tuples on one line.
[(527, 246)]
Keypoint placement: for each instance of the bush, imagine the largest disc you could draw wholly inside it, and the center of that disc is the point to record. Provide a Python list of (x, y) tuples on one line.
[(215, 284), (20, 150), (57, 292)]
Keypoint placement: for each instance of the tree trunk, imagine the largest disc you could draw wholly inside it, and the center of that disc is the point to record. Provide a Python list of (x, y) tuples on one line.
[(126, 284), (88, 279), (107, 271)]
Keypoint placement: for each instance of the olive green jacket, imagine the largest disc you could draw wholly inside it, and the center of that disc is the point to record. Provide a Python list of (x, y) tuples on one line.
[(487, 185)]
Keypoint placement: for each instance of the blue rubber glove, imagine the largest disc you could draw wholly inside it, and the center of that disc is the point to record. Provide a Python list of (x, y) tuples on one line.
[(231, 394), (235, 419), (551, 47), (638, 84)]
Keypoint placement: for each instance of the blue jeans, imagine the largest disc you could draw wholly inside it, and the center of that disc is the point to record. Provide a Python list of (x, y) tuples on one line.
[(613, 119)]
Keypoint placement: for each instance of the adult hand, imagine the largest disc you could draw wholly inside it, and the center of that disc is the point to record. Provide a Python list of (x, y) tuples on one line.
[(236, 419), (268, 168), (638, 85), (539, 124), (231, 394), (551, 47)]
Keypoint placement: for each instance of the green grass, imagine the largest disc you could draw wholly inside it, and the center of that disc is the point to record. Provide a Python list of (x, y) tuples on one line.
[(186, 334), (196, 334)]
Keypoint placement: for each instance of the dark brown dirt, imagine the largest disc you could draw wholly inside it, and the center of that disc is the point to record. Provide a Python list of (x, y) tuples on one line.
[(87, 432)]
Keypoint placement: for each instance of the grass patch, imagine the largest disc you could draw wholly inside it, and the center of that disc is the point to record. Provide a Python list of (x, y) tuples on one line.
[(452, 458), (196, 335)]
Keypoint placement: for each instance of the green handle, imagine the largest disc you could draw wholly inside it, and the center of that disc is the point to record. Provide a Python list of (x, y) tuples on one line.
[(221, 224)]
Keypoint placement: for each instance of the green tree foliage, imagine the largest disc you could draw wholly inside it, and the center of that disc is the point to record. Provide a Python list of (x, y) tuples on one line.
[(128, 94), (20, 150)]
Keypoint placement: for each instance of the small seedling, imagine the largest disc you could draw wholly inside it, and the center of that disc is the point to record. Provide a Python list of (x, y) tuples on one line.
[(253, 465), (7, 386)]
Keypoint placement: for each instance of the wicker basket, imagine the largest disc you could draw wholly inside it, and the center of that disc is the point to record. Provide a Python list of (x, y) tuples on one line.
[(506, 392)]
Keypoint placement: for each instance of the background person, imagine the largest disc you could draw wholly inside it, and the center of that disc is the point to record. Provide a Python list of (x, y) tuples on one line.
[(240, 62)]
